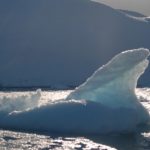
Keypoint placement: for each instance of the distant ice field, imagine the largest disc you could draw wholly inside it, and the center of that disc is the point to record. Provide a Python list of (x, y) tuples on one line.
[(50, 96), (46, 97)]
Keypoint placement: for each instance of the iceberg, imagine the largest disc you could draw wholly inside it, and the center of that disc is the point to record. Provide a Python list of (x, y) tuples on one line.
[(66, 41), (105, 103)]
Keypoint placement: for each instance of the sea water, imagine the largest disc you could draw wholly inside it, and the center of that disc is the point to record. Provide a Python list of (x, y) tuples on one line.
[(13, 140)]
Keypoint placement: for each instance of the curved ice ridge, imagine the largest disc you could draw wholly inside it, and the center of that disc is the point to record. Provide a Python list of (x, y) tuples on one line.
[(114, 83), (105, 103)]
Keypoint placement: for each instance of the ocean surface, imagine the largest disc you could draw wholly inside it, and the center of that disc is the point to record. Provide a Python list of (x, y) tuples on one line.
[(14, 140)]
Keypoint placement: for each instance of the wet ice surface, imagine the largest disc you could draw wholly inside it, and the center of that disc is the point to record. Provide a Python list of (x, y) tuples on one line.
[(11, 140)]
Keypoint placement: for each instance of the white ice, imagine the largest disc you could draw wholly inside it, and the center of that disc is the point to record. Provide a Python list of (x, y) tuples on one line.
[(19, 103)]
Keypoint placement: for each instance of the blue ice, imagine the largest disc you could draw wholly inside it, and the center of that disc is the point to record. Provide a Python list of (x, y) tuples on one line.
[(105, 103)]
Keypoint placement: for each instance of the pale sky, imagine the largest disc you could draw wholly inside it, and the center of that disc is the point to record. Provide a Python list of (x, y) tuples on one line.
[(141, 6)]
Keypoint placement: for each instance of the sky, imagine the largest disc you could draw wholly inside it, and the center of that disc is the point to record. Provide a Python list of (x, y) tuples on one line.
[(141, 6)]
